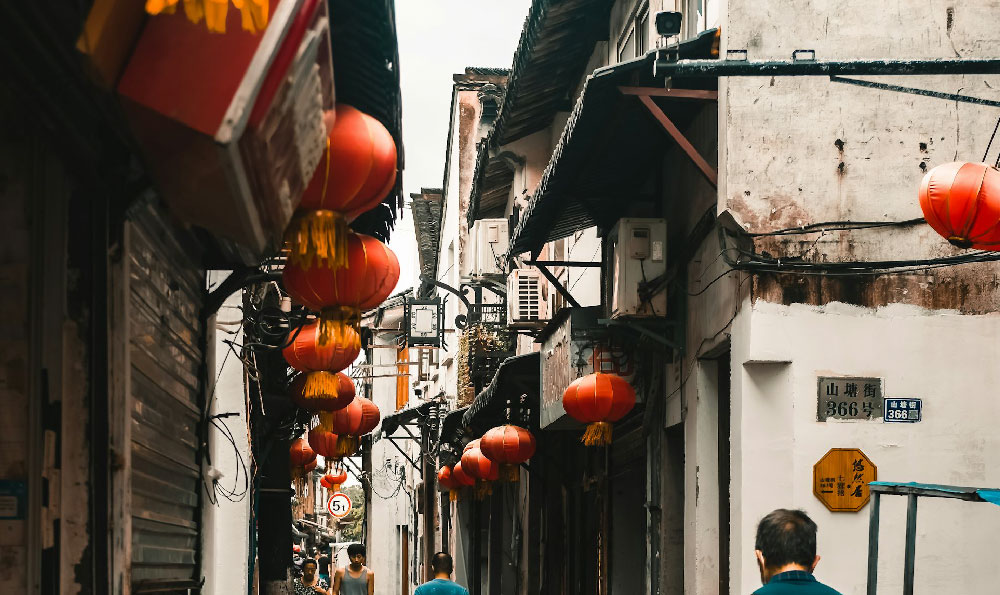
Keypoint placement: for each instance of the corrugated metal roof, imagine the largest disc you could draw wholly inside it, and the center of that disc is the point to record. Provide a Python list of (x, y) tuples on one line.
[(426, 208), (516, 376), (366, 72)]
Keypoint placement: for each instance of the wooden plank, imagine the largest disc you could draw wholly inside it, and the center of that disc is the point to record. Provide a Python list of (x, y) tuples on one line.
[(706, 170), (119, 385), (670, 93)]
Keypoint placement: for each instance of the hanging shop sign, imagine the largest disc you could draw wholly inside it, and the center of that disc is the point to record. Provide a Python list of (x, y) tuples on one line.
[(424, 322), (903, 410), (841, 478), (339, 505), (847, 397)]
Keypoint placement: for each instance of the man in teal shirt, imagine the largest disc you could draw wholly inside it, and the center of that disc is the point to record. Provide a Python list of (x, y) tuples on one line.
[(441, 585), (786, 555)]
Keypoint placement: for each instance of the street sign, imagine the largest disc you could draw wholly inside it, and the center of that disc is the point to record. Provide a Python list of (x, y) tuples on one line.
[(841, 477), (903, 410), (844, 397), (339, 505)]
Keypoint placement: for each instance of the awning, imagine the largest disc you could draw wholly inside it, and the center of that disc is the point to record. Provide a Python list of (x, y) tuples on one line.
[(516, 376), (426, 208), (607, 153), (392, 422)]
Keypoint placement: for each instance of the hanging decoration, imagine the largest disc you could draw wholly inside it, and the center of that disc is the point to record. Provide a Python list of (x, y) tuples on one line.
[(483, 470), (460, 477), (323, 443), (598, 400), (446, 479), (253, 13), (961, 201), (301, 460), (351, 422), (356, 172), (339, 294), (306, 354), (508, 446), (321, 391), (333, 482)]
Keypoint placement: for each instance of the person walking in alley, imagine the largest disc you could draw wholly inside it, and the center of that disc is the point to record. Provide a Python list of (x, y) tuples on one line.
[(442, 584), (786, 555), (323, 559), (356, 579), (310, 583)]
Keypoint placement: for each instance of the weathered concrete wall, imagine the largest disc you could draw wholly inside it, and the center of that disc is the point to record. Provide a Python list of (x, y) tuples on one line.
[(944, 358), (800, 150)]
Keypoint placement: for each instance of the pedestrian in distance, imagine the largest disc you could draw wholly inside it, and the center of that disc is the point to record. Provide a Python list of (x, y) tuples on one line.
[(786, 555), (324, 563), (310, 583), (356, 578), (442, 584)]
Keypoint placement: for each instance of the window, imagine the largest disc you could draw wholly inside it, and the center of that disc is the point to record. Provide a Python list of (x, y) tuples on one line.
[(427, 360), (634, 39)]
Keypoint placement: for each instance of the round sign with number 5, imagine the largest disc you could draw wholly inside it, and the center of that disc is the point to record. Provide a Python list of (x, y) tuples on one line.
[(339, 505)]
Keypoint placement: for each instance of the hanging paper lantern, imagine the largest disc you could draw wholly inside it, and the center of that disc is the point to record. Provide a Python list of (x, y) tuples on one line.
[(321, 391), (446, 480), (356, 172), (472, 444), (310, 465), (340, 294), (961, 201), (323, 443), (508, 446), (306, 354), (460, 477), (477, 466), (357, 419), (598, 400), (333, 482), (300, 453)]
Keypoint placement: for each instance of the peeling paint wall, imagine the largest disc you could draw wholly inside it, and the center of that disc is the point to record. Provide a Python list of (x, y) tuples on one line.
[(800, 150)]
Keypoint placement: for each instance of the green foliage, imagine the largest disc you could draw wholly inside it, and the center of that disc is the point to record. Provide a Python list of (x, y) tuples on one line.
[(351, 526)]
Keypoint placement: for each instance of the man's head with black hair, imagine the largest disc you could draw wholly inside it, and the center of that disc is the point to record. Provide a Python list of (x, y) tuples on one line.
[(357, 553), (442, 564), (786, 540)]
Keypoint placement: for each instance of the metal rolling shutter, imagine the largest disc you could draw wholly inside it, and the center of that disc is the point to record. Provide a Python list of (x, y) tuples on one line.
[(166, 351)]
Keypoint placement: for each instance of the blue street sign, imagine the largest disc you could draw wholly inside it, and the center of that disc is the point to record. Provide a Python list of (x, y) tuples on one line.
[(903, 410)]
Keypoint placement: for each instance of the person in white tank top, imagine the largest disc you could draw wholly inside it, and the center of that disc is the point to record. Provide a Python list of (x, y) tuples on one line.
[(356, 578)]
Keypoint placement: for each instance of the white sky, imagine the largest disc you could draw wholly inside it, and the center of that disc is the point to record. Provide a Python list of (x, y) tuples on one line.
[(439, 38)]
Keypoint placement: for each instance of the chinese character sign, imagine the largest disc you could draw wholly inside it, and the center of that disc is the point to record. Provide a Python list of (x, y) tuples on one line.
[(841, 477), (849, 398), (903, 410)]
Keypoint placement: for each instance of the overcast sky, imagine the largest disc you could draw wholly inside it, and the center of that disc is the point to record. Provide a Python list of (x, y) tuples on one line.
[(439, 38)]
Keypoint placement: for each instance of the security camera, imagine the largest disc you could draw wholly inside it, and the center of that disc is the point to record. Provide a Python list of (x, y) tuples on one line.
[(668, 23)]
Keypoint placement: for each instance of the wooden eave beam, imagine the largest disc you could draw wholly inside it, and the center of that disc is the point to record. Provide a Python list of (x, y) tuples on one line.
[(646, 95)]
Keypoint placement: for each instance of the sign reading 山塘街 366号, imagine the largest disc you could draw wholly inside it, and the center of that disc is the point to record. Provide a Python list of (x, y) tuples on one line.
[(849, 398)]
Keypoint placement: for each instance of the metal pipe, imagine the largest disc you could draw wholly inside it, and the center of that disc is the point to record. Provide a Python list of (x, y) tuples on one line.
[(873, 545), (911, 544), (716, 68)]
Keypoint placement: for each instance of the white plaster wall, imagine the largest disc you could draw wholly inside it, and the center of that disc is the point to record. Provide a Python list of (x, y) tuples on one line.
[(948, 360), (225, 526)]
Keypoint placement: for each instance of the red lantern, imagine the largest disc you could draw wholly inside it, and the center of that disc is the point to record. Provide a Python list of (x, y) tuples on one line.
[(333, 482), (597, 400), (323, 443), (357, 170), (460, 477), (472, 444), (310, 466), (961, 201), (322, 391), (447, 481), (305, 354), (300, 454), (476, 465), (508, 446), (358, 418), (341, 293)]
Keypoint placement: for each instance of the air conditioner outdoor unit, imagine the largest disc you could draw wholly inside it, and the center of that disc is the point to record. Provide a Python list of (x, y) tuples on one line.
[(639, 253), (490, 239), (529, 298)]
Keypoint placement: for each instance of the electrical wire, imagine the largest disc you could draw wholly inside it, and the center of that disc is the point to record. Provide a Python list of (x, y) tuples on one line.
[(836, 226)]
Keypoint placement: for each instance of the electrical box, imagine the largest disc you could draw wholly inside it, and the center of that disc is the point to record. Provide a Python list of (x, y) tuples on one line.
[(490, 240), (638, 249), (529, 299)]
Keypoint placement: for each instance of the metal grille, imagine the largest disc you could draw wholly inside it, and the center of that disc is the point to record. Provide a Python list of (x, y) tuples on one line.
[(529, 297)]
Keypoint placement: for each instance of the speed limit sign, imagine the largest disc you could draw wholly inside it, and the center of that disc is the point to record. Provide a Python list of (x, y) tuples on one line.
[(339, 505)]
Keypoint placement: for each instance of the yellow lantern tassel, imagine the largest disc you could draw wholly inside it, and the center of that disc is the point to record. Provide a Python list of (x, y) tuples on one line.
[(333, 324), (253, 13), (597, 434), (194, 10), (483, 489), (336, 488), (325, 420), (316, 236), (155, 7), (215, 15), (321, 385), (346, 445), (509, 472), (453, 495)]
